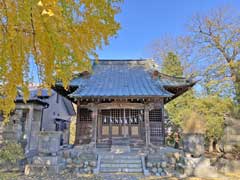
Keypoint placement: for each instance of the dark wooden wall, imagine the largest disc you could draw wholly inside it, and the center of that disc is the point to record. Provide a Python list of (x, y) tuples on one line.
[(83, 126)]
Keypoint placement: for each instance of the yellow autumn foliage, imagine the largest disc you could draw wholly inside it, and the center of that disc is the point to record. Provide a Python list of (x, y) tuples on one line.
[(60, 35)]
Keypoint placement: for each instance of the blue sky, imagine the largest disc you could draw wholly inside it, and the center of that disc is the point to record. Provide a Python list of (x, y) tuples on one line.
[(144, 21)]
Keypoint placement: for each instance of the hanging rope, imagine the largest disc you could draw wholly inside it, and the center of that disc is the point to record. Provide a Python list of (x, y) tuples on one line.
[(122, 120)]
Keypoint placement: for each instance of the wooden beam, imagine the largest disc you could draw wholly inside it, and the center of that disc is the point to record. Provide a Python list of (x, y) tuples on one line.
[(120, 105)]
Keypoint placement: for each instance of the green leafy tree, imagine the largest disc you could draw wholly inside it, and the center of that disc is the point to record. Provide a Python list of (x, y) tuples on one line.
[(211, 51), (179, 107), (212, 108), (171, 65), (208, 108)]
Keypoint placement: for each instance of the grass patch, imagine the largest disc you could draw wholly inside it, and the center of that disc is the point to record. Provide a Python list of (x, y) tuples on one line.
[(9, 175)]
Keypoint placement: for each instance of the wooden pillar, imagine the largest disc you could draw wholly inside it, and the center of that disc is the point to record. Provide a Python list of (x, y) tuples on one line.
[(99, 127), (94, 125), (77, 124), (147, 125), (125, 127), (163, 124)]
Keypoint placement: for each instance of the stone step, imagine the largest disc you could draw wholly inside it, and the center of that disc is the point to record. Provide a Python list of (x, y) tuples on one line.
[(116, 156), (136, 146), (126, 170), (121, 161), (103, 146), (120, 149), (105, 165), (110, 170), (120, 141), (132, 170)]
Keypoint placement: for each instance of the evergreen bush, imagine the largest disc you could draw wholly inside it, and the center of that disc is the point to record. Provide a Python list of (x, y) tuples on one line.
[(10, 154)]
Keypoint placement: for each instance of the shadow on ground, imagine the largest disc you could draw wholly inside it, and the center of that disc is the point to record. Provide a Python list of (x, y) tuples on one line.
[(119, 176)]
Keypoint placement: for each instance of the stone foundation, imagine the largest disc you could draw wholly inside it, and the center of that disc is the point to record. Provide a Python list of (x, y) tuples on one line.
[(163, 162), (45, 165), (228, 166), (199, 167), (193, 144), (47, 161), (79, 161), (174, 162), (231, 136), (49, 142)]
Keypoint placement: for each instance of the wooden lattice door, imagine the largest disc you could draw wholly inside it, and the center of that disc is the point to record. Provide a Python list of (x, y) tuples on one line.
[(121, 123), (156, 126), (134, 121), (84, 126), (105, 123)]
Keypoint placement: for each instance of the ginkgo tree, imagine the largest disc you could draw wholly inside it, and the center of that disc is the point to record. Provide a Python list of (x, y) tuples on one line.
[(59, 35)]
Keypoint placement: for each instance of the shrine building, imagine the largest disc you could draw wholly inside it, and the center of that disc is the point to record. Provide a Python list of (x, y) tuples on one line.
[(122, 102)]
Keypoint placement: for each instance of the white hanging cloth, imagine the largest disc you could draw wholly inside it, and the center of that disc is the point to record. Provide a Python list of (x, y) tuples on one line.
[(105, 120)]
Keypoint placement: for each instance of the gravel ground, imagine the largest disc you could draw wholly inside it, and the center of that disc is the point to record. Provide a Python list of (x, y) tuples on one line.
[(120, 176), (68, 176)]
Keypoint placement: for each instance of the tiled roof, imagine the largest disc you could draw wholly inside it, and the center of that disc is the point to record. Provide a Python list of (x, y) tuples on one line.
[(36, 93), (44, 93), (120, 78), (41, 95), (170, 81), (33, 97)]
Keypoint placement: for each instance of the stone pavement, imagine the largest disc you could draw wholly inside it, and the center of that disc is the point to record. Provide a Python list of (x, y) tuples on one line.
[(83, 177), (122, 176)]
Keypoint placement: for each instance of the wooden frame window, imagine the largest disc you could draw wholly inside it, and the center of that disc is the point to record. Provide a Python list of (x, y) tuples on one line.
[(85, 114)]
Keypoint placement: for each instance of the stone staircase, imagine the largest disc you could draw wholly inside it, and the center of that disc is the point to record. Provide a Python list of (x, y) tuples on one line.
[(113, 163)]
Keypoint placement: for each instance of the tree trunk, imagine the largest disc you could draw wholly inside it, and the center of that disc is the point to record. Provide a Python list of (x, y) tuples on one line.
[(218, 149), (211, 143)]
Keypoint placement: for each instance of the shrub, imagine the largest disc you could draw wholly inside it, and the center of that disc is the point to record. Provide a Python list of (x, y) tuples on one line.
[(10, 154), (235, 111)]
